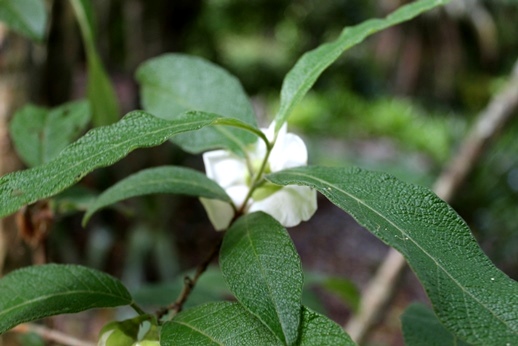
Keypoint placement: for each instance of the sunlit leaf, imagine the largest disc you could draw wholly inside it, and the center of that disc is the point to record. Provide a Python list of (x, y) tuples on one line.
[(263, 270), (471, 297), (39, 134), (36, 292), (422, 327), (174, 83), (311, 65), (27, 17), (167, 179)]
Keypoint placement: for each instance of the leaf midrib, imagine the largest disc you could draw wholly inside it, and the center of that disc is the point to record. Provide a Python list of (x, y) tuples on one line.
[(49, 296), (115, 146), (360, 201)]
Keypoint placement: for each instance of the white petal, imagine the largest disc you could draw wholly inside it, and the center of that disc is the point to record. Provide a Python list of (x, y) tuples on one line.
[(238, 194), (290, 205), (220, 213), (225, 168), (289, 151)]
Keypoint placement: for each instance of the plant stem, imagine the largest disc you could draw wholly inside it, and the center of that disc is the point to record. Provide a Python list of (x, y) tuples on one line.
[(173, 309)]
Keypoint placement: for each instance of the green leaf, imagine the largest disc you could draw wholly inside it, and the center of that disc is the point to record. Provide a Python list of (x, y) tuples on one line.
[(159, 180), (98, 148), (263, 270), (472, 298), (28, 17), (345, 289), (174, 83), (32, 293), (309, 67), (100, 91), (221, 323), (318, 330), (422, 327), (39, 134)]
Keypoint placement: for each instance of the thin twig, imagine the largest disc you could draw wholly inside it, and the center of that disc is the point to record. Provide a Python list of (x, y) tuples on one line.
[(51, 335), (189, 284), (380, 290)]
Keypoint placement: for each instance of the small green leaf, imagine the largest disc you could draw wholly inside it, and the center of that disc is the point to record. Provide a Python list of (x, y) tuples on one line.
[(311, 65), (220, 324), (27, 17), (473, 299), (174, 83), (422, 327), (32, 293), (159, 180), (345, 289), (39, 134), (263, 270), (100, 91), (98, 148), (318, 330)]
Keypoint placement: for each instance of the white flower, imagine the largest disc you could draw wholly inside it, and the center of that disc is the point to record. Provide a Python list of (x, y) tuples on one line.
[(287, 204)]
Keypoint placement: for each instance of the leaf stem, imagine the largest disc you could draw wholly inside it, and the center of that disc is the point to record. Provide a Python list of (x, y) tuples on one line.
[(258, 176), (138, 309)]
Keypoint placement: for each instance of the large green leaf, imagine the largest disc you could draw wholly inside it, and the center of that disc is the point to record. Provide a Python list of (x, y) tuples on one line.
[(27, 17), (159, 180), (422, 327), (318, 330), (36, 292), (225, 323), (311, 65), (174, 83), (39, 134), (220, 323), (263, 270), (472, 298), (100, 91), (98, 148)]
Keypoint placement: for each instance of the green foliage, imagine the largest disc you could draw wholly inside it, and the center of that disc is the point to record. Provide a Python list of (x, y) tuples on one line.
[(98, 148), (309, 67), (100, 91), (39, 134), (227, 323), (258, 259), (159, 180), (220, 323), (33, 293), (27, 17), (204, 107), (436, 243), (317, 330), (175, 83), (422, 327)]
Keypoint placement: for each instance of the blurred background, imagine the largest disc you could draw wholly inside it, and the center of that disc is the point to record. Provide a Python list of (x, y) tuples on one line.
[(401, 102)]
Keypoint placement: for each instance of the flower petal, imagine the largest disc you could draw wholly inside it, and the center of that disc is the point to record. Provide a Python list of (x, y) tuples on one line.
[(289, 151), (290, 205), (220, 213), (225, 168)]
